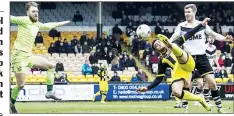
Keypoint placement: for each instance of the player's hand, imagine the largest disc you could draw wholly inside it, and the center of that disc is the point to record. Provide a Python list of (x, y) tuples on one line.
[(205, 21), (64, 23), (229, 38), (218, 69), (106, 77), (142, 89)]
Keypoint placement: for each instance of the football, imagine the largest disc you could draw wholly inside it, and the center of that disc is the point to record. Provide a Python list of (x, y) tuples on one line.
[(143, 31)]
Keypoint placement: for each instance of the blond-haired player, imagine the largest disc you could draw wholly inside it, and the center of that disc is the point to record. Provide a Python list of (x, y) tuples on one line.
[(28, 27)]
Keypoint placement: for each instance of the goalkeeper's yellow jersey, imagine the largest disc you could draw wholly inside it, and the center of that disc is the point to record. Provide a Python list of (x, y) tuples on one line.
[(27, 32), (101, 74)]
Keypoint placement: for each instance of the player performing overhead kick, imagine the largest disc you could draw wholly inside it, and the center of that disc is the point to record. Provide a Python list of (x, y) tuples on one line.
[(182, 64), (28, 27), (197, 48)]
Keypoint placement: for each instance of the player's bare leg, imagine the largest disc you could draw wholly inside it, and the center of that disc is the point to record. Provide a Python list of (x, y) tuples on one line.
[(177, 90), (199, 83), (20, 82), (42, 63), (188, 86), (214, 92)]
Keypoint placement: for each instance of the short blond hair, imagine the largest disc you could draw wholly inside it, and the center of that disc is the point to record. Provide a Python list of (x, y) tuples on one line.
[(192, 6), (31, 4)]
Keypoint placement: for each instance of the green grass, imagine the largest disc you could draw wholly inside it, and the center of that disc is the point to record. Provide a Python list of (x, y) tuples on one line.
[(113, 107)]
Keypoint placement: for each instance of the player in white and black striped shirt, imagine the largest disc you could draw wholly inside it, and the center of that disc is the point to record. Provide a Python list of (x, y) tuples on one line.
[(197, 48)]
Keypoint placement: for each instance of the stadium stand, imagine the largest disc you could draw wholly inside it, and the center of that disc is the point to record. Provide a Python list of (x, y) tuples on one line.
[(63, 11), (89, 12), (73, 62)]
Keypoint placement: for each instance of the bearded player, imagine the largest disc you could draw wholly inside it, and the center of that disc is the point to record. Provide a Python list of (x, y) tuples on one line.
[(182, 64), (197, 48), (28, 27)]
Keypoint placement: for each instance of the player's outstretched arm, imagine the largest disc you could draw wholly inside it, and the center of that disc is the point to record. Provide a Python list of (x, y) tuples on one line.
[(52, 25), (176, 34), (155, 83), (161, 73), (18, 19), (193, 31), (220, 37), (217, 36), (107, 78), (63, 23), (180, 41)]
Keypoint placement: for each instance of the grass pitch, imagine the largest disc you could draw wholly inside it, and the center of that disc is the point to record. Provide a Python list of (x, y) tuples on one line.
[(114, 107)]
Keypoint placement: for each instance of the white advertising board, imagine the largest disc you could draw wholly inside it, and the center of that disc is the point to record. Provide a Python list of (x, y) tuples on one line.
[(66, 92)]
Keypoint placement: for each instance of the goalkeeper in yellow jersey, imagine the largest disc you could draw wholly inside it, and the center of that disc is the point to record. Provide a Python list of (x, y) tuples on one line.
[(103, 83), (22, 58), (182, 64)]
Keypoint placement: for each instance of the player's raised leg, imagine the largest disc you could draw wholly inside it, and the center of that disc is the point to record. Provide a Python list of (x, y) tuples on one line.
[(181, 55), (187, 62), (43, 63)]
